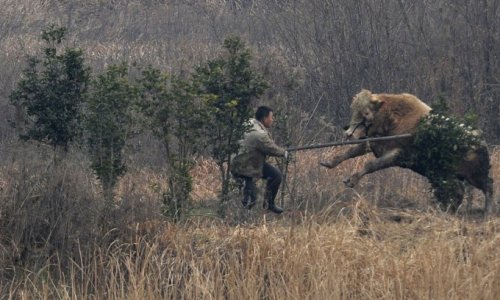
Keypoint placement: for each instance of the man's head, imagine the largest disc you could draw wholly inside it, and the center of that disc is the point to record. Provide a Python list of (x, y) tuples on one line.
[(264, 115)]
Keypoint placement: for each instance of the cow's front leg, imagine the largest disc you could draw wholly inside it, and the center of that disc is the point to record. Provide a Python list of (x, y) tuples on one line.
[(355, 151), (385, 161)]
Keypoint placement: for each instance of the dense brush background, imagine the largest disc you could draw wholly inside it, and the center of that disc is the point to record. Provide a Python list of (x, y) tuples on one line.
[(382, 240)]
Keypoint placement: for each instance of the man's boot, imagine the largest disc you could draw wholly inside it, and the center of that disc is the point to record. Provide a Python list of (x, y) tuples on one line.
[(269, 203)]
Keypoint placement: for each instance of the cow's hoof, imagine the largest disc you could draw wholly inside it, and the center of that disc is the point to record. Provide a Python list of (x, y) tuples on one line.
[(350, 182), (326, 164), (487, 211), (330, 164)]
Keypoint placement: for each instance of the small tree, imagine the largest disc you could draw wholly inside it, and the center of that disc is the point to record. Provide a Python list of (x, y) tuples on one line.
[(176, 115), (108, 121), (52, 91), (233, 85)]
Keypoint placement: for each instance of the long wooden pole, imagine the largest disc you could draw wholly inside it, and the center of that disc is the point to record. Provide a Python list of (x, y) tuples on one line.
[(374, 139)]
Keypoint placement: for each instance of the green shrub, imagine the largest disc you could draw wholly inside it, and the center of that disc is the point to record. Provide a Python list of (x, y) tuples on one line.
[(175, 113), (441, 143), (52, 91), (108, 120)]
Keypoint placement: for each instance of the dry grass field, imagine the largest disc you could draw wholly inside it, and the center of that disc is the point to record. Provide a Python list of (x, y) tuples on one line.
[(360, 256), (384, 240)]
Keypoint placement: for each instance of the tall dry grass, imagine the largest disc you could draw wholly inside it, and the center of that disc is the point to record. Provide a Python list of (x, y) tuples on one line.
[(331, 243), (360, 256)]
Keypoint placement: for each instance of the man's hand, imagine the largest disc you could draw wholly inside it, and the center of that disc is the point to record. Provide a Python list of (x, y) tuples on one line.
[(288, 156)]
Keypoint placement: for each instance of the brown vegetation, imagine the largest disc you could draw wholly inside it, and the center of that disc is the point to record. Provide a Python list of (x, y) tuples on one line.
[(383, 239)]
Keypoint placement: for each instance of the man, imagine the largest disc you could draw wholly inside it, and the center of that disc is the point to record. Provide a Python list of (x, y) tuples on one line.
[(250, 162)]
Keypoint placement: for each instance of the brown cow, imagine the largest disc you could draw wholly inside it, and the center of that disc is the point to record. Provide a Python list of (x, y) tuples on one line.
[(392, 114)]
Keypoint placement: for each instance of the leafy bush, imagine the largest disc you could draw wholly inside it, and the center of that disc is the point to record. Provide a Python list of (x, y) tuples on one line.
[(52, 91), (441, 143), (175, 113), (108, 120)]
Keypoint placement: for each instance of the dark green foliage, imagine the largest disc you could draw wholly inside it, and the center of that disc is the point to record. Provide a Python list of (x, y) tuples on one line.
[(175, 112), (52, 90), (441, 143), (108, 122), (233, 85)]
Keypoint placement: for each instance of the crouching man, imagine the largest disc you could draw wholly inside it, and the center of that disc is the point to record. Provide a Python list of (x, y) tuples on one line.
[(250, 162)]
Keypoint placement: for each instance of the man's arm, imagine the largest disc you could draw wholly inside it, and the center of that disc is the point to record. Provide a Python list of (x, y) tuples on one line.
[(269, 147)]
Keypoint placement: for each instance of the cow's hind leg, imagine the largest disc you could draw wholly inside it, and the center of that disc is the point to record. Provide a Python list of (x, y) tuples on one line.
[(475, 169), (485, 184), (468, 198), (385, 161), (488, 196)]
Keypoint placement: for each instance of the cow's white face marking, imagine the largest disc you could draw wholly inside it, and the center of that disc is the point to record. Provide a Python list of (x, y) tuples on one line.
[(362, 115)]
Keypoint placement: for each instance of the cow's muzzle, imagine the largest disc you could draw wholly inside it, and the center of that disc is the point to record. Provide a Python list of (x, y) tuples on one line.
[(350, 130)]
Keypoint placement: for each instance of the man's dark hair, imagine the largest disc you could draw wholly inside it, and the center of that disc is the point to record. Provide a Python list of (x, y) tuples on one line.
[(262, 112)]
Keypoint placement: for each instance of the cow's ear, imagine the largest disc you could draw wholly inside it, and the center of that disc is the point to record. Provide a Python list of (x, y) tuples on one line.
[(376, 102)]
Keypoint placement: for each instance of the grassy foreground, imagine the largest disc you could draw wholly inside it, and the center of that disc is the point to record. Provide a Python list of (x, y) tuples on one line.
[(382, 240), (367, 253)]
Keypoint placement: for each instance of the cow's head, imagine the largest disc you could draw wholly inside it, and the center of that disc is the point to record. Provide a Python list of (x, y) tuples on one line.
[(364, 106)]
